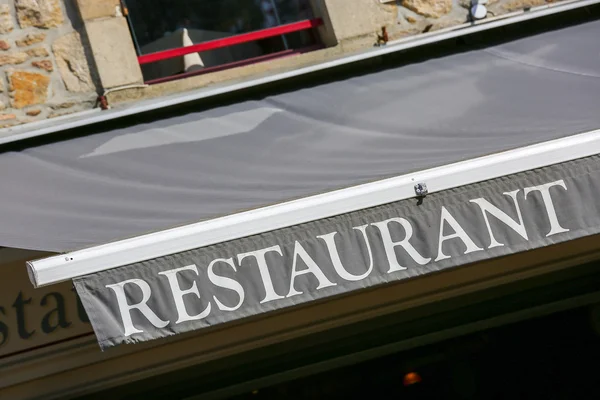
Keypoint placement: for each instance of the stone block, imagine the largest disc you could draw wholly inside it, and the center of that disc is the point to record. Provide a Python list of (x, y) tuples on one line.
[(429, 8), (517, 5), (37, 52), (72, 63), (114, 52), (13, 58), (46, 65), (43, 14), (27, 88), (55, 114), (452, 20), (349, 19), (6, 20), (31, 38), (34, 113), (62, 106), (92, 9), (4, 45), (7, 117)]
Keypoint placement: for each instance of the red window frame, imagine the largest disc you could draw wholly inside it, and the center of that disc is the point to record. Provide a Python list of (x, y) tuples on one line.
[(232, 41)]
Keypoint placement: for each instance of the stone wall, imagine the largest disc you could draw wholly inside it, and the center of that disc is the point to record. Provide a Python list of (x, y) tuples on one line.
[(349, 26), (418, 16), (356, 23), (44, 67), (56, 56)]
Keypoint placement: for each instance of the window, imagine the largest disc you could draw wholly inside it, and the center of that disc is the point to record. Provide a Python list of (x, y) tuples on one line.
[(161, 25)]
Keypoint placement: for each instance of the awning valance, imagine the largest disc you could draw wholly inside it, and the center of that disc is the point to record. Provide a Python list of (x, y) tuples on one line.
[(207, 286)]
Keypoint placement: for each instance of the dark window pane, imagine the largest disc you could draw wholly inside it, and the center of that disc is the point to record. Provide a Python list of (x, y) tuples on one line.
[(160, 25)]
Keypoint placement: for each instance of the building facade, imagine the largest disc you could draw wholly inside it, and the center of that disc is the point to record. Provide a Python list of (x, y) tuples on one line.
[(298, 199), (58, 57)]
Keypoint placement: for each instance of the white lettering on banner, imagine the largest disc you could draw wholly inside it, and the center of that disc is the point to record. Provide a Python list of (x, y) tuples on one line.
[(389, 244), (487, 207), (226, 283), (178, 294), (459, 233), (335, 255), (263, 268), (544, 190), (325, 252), (125, 308), (311, 268)]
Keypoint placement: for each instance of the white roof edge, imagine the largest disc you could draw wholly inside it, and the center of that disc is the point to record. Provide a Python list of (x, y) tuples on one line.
[(95, 259), (94, 116)]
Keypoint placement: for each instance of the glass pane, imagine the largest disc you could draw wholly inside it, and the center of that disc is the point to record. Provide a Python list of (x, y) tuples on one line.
[(158, 25)]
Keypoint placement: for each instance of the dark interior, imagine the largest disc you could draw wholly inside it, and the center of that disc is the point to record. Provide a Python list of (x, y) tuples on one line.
[(549, 356)]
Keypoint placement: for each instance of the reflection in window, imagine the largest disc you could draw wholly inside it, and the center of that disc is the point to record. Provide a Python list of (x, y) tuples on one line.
[(159, 25)]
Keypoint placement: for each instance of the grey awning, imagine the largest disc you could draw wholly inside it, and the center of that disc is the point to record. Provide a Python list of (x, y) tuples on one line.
[(155, 175)]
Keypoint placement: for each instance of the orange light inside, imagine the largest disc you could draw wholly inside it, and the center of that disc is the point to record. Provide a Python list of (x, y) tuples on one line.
[(411, 378)]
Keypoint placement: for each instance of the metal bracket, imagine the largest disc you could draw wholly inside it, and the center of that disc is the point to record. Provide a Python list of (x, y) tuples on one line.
[(421, 189)]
